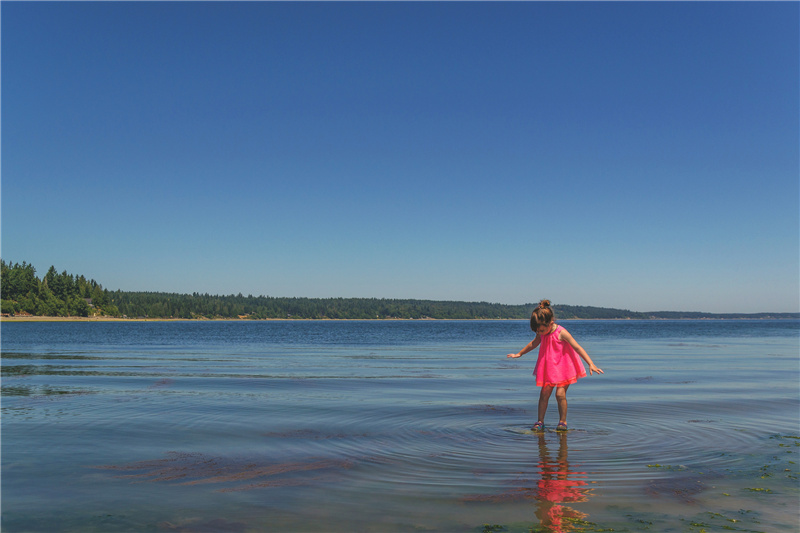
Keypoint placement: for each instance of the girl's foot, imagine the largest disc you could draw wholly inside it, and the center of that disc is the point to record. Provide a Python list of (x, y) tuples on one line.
[(538, 426), (562, 426)]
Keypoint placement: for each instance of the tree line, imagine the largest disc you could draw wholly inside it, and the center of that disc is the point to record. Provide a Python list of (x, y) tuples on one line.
[(65, 294), (154, 304), (53, 295)]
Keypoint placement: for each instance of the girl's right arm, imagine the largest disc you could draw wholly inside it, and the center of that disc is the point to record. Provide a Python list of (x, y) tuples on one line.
[(531, 346)]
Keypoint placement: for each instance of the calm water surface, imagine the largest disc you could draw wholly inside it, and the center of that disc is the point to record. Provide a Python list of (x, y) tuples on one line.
[(395, 427)]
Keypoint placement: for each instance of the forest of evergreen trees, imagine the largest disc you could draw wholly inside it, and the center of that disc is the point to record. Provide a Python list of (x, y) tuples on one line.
[(69, 295), (53, 295)]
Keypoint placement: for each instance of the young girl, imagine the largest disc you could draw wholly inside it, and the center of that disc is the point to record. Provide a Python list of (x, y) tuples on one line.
[(558, 365)]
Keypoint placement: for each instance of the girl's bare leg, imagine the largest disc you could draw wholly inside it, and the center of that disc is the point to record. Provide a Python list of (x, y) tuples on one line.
[(561, 398), (544, 397)]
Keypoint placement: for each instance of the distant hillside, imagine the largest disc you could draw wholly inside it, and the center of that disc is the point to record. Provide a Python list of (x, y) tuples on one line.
[(575, 311), (676, 315), (68, 295)]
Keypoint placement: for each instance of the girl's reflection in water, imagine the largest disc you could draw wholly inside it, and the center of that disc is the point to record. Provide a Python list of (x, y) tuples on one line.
[(558, 485), (550, 485)]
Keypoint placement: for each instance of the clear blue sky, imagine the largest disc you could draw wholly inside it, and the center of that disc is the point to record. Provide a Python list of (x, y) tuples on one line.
[(634, 155)]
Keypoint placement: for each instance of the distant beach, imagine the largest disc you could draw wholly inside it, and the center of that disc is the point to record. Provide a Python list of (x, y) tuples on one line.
[(30, 318), (87, 319)]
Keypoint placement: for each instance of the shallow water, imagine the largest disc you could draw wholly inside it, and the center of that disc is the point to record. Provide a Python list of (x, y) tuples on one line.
[(396, 426)]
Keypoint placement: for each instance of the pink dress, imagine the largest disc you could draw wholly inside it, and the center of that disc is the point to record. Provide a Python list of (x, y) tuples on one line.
[(558, 363)]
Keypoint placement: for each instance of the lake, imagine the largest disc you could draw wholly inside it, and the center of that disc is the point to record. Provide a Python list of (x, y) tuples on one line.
[(396, 426)]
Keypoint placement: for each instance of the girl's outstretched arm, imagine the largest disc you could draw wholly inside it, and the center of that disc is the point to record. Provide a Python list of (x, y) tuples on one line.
[(531, 345), (565, 336)]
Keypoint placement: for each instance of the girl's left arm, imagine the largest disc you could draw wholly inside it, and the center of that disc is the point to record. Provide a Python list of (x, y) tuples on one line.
[(566, 336)]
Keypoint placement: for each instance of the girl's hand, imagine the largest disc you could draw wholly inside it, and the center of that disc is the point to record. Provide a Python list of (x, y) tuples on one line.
[(514, 355), (593, 369)]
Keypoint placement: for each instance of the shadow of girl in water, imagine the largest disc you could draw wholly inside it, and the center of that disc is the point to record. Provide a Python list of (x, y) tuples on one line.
[(558, 486)]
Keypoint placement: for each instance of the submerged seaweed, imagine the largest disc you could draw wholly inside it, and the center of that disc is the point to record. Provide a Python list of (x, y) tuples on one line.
[(199, 469)]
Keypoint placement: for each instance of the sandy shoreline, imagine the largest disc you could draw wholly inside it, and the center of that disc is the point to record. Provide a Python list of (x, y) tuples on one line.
[(115, 319), (84, 319)]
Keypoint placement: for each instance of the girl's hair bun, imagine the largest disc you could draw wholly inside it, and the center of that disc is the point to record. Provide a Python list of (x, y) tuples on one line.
[(542, 315)]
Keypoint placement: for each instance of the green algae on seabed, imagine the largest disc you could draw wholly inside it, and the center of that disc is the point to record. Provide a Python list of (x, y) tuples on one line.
[(668, 467), (777, 470), (705, 522), (706, 507), (709, 522)]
